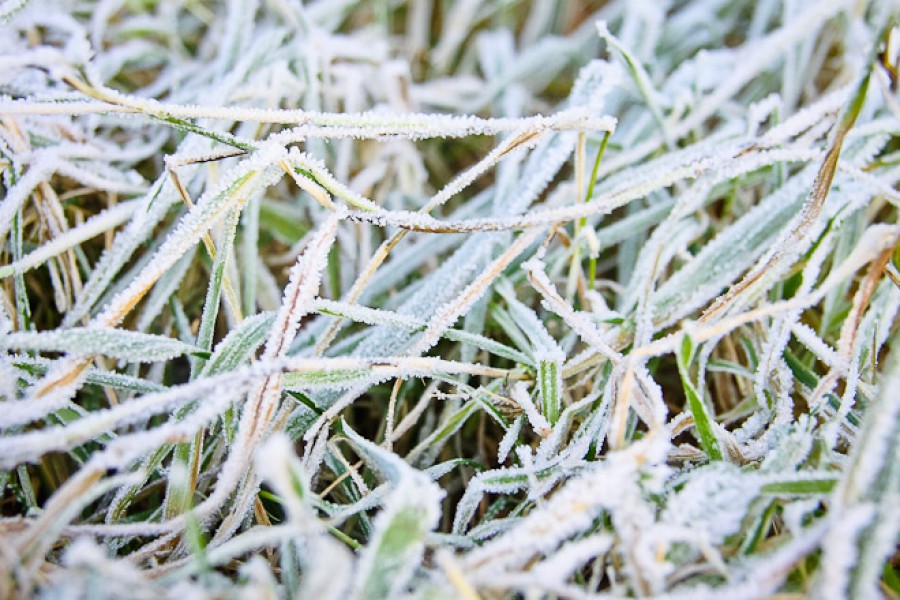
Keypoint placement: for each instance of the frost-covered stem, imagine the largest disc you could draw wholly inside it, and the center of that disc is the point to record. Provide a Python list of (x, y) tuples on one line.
[(389, 415), (876, 240), (450, 312), (527, 137), (795, 239), (312, 123), (720, 168), (262, 401), (105, 221), (537, 276)]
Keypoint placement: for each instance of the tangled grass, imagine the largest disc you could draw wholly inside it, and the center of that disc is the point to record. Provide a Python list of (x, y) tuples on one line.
[(461, 299)]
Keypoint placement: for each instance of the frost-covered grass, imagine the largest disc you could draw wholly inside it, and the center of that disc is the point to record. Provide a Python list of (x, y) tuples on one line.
[(468, 299)]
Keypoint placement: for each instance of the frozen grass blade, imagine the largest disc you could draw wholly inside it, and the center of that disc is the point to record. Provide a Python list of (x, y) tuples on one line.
[(115, 343), (434, 346), (398, 540), (702, 420)]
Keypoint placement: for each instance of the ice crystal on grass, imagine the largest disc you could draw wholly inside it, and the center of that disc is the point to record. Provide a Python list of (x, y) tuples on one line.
[(458, 299)]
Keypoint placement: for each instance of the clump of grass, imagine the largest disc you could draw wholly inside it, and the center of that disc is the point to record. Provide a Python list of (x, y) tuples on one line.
[(468, 299)]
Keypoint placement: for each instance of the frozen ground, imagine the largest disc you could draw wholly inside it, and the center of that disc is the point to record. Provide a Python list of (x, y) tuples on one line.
[(478, 299)]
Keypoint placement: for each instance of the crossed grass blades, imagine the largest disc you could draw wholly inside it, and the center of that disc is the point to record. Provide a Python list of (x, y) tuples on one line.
[(460, 299)]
